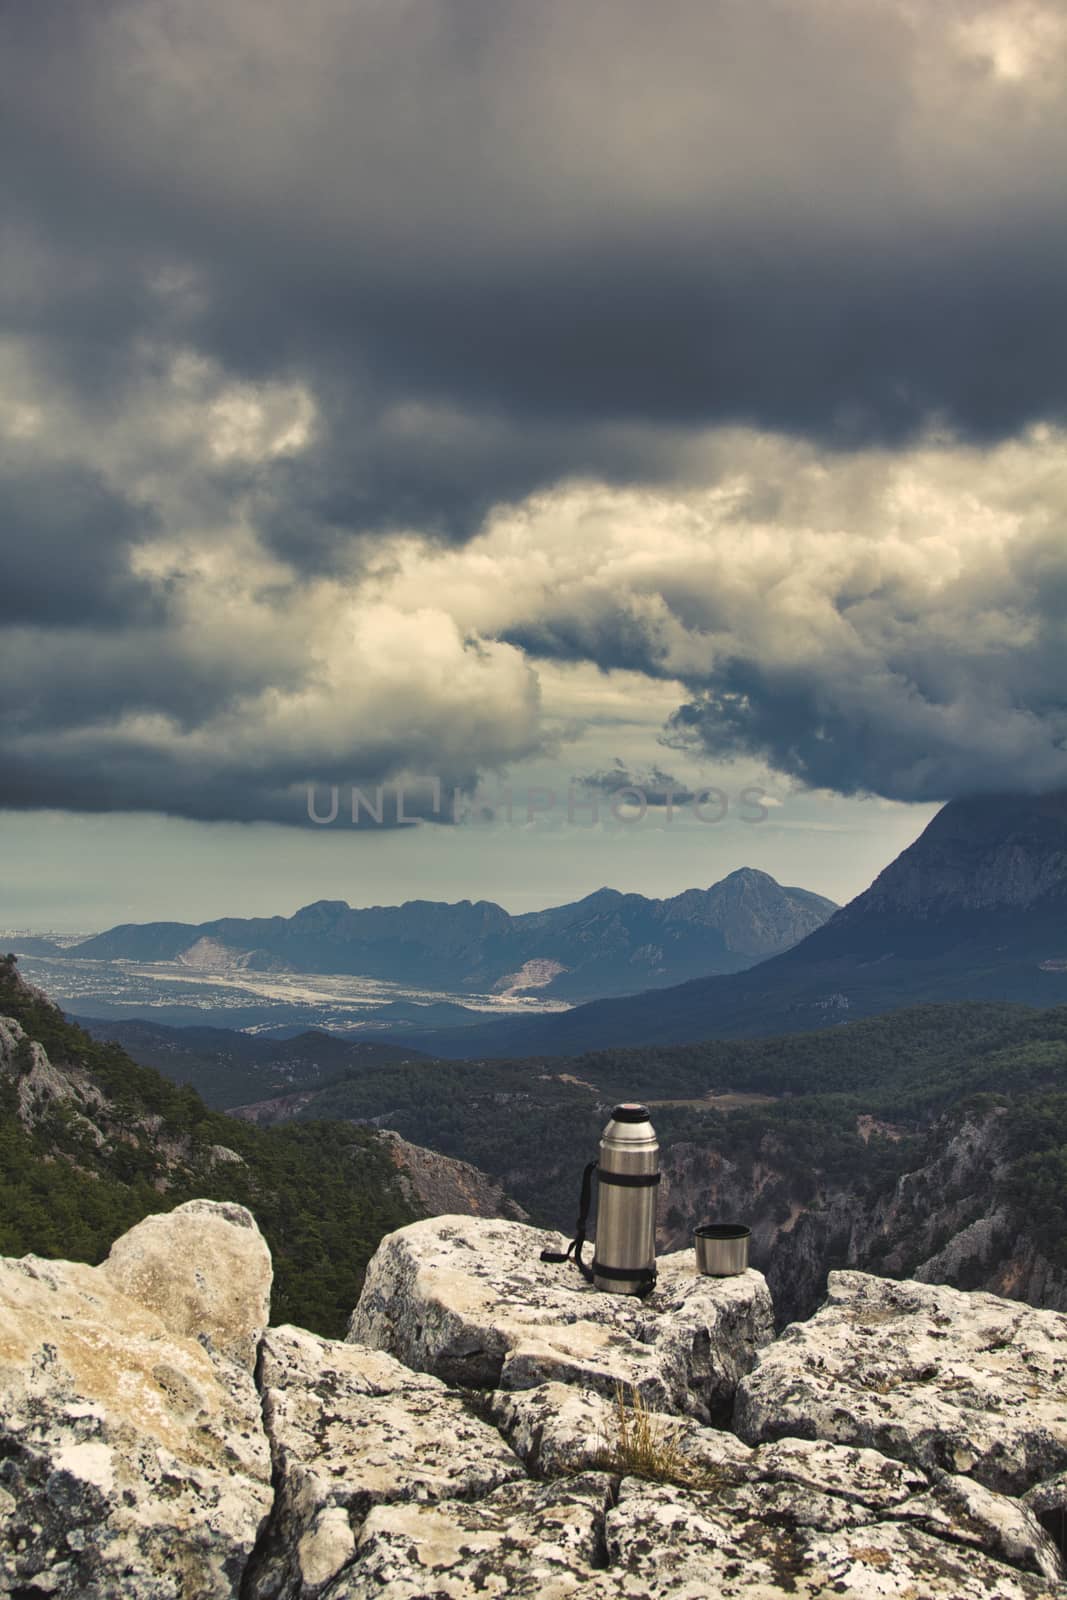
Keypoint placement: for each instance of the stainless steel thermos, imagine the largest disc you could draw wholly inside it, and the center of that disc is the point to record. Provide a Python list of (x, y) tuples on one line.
[(627, 1172), (624, 1260)]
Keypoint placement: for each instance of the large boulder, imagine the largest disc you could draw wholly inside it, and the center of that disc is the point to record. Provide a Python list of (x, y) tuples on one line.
[(205, 1269), (471, 1301), (965, 1383), (351, 1428), (132, 1461)]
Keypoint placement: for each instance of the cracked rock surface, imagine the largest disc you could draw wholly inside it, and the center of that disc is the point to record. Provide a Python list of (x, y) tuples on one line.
[(968, 1383), (471, 1301), (663, 1541), (352, 1428), (142, 1456), (528, 1541), (798, 1483)]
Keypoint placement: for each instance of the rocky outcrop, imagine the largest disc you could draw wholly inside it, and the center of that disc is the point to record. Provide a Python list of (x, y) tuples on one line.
[(559, 1428), (279, 1108), (948, 1221), (473, 1303), (205, 1270), (527, 1541), (442, 1186), (134, 1460), (965, 1383), (663, 1541), (140, 1455), (38, 1084), (815, 1483)]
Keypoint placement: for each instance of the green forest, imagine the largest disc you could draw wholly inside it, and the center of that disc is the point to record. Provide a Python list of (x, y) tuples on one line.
[(70, 1183), (324, 1190), (534, 1123)]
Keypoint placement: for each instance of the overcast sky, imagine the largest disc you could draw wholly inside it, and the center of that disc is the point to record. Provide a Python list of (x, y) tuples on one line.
[(516, 394)]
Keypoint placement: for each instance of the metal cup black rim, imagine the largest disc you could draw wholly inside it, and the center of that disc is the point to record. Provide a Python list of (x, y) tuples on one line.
[(722, 1230)]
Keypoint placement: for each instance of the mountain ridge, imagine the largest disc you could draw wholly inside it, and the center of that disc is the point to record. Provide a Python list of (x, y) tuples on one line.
[(608, 942), (975, 908)]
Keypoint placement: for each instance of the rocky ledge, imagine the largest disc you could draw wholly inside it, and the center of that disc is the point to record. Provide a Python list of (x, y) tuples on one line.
[(159, 1440), (472, 1302)]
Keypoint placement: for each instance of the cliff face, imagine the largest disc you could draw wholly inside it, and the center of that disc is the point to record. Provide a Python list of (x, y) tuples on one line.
[(73, 1117), (980, 854), (947, 1221), (440, 1185), (159, 1438)]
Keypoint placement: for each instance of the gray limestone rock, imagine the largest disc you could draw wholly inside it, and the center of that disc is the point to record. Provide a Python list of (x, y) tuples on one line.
[(961, 1510), (646, 1541), (805, 1483), (557, 1428), (132, 1462), (471, 1301), (350, 1428), (664, 1541), (205, 1269), (523, 1542), (141, 1457), (964, 1383)]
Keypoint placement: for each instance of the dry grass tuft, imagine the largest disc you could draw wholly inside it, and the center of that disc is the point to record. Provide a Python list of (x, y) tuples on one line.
[(646, 1446)]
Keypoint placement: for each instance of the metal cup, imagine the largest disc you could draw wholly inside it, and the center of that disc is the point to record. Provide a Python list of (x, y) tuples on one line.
[(722, 1248)]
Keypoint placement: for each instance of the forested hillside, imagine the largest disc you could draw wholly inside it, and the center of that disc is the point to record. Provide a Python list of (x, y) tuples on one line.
[(814, 1126), (228, 1068), (90, 1142)]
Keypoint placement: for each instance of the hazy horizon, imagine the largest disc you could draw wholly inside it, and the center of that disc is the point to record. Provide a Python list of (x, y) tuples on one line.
[(120, 877)]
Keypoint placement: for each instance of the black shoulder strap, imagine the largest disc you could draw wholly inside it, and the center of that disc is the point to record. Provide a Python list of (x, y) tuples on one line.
[(577, 1244)]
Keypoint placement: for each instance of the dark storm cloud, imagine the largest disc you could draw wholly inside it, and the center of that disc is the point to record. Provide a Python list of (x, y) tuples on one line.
[(65, 678), (890, 740), (535, 221), (613, 638), (65, 539), (497, 245), (117, 775), (425, 466)]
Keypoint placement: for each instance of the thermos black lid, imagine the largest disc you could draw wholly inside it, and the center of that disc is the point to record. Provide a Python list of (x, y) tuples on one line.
[(630, 1113)]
